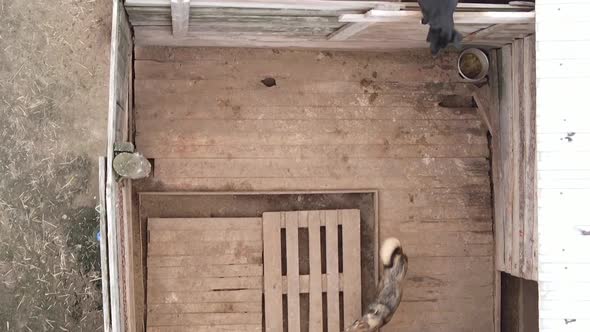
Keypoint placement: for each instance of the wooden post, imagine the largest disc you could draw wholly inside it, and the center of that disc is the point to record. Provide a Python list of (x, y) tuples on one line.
[(180, 14)]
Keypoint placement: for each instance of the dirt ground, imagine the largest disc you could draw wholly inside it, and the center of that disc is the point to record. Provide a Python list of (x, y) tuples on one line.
[(53, 106)]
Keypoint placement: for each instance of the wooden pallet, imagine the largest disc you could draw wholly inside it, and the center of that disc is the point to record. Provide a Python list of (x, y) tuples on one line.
[(333, 282), (204, 274)]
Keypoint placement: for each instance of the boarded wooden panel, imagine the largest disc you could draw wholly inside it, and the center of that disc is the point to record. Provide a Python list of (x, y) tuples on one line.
[(184, 289), (516, 183)]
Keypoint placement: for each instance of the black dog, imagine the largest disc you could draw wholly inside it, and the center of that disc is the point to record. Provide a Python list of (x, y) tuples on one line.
[(439, 15)]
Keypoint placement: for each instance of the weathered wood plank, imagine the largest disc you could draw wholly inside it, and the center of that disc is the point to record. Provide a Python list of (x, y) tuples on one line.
[(315, 272), (497, 141), (237, 257), (273, 294), (303, 70), (210, 235), (530, 189), (206, 284), (321, 151), (292, 238), (211, 307), (283, 168), (159, 11), (200, 224), (227, 296), (387, 16), (207, 319), (180, 15), (333, 294), (220, 328), (334, 183), (506, 156), (250, 249), (220, 270), (348, 31), (483, 99), (365, 83), (351, 265), (517, 156)]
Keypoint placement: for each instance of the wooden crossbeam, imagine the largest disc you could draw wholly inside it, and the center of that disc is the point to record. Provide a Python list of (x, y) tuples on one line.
[(349, 30), (408, 16)]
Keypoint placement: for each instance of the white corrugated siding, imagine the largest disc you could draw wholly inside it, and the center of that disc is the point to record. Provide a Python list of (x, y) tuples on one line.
[(563, 144)]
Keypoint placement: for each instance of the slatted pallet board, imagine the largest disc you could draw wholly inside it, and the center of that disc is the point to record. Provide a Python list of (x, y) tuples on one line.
[(204, 274), (338, 274)]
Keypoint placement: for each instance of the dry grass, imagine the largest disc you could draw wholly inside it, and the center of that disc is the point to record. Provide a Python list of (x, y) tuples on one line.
[(53, 65)]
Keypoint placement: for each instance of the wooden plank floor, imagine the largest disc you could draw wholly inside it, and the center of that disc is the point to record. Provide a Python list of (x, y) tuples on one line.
[(337, 121), (185, 290)]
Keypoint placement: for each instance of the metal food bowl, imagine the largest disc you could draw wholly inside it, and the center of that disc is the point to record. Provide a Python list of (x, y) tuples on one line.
[(473, 64)]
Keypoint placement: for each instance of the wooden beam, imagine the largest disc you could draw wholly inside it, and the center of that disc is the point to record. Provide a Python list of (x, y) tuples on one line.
[(482, 97), (274, 4), (180, 13), (320, 5), (483, 32), (348, 30), (411, 16), (104, 260)]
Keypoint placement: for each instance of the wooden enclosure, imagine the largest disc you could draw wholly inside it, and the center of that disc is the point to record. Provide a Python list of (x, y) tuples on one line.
[(319, 24), (308, 111)]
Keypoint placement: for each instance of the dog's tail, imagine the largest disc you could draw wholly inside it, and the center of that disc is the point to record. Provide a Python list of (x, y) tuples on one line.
[(391, 251), (381, 310)]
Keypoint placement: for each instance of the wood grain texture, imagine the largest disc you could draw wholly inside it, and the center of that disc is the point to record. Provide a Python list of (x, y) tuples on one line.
[(315, 272), (180, 16), (317, 24), (292, 237), (351, 265), (530, 268), (517, 158), (506, 184), (273, 284), (335, 121), (193, 280), (516, 186), (333, 291)]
